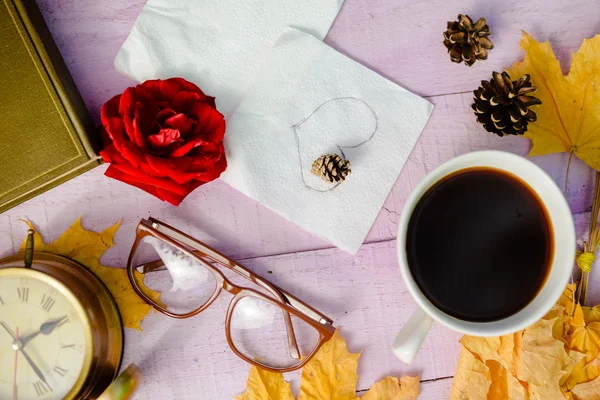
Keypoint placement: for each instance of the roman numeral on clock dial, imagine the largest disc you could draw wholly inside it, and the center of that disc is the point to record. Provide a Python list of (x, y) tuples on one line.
[(23, 293), (47, 303), (60, 370), (41, 388)]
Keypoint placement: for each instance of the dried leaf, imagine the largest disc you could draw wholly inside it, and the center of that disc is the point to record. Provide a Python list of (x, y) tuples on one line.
[(568, 119), (86, 247), (583, 337), (471, 379), (542, 356), (535, 363), (503, 384), (331, 373), (591, 314), (587, 391), (391, 388), (265, 385)]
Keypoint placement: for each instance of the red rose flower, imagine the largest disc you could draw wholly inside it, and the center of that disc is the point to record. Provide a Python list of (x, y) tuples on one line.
[(165, 137)]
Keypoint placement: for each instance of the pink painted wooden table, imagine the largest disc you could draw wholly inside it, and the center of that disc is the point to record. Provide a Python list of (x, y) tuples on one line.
[(365, 295)]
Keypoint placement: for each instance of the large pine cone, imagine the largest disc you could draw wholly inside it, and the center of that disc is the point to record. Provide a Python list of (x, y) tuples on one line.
[(502, 105), (331, 168), (467, 41)]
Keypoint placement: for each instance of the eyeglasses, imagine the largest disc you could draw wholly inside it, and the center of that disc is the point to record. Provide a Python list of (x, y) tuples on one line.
[(265, 325)]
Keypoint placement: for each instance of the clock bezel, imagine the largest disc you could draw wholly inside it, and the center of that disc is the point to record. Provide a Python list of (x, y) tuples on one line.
[(28, 273)]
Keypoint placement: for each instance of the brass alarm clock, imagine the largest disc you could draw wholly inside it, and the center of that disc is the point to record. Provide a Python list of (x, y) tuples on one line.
[(61, 335)]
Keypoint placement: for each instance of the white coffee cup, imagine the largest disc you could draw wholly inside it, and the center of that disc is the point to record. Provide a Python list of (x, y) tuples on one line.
[(411, 336)]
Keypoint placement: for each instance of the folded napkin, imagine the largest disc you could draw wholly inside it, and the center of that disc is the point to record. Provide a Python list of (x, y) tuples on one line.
[(219, 45), (309, 100)]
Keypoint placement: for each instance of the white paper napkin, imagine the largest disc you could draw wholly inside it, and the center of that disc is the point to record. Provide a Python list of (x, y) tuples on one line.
[(307, 100), (217, 44)]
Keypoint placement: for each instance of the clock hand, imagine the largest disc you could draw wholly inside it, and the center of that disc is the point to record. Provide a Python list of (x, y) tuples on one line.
[(15, 373), (33, 365), (46, 328), (5, 326), (17, 346)]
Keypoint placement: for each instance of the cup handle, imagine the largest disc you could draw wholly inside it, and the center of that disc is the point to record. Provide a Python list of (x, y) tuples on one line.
[(411, 336)]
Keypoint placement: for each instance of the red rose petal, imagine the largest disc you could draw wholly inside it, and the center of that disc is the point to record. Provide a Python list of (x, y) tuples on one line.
[(191, 87), (116, 130), (109, 153), (167, 166), (138, 135), (182, 123), (164, 138), (184, 100), (169, 88), (186, 148), (160, 193), (170, 197), (210, 121), (153, 87), (132, 153), (114, 173), (139, 175), (211, 101), (164, 115), (110, 109)]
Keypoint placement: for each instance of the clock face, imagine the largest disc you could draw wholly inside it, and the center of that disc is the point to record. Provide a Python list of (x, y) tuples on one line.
[(42, 339)]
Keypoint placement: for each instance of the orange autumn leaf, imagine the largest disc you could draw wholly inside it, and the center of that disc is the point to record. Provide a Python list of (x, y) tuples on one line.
[(86, 247), (568, 119), (329, 375)]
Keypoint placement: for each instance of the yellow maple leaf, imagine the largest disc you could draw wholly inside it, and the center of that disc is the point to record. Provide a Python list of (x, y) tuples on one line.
[(591, 314), (266, 385), (331, 373), (392, 388), (86, 247), (584, 338), (568, 119)]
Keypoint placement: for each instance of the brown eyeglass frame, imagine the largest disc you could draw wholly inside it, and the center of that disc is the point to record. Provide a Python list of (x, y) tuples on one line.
[(208, 256)]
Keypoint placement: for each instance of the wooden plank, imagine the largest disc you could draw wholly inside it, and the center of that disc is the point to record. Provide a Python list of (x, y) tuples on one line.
[(403, 40), (242, 228)]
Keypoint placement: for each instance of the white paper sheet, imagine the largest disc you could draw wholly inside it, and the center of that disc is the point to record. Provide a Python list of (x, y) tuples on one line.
[(266, 162), (217, 44)]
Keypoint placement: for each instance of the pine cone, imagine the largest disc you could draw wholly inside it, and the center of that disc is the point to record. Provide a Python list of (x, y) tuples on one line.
[(331, 168), (501, 105), (466, 41)]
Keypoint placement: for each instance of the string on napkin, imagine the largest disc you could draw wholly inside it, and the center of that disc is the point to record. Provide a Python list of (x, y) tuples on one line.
[(297, 124)]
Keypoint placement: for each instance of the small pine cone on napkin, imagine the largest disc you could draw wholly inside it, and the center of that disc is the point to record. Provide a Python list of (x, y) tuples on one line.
[(467, 41), (331, 168)]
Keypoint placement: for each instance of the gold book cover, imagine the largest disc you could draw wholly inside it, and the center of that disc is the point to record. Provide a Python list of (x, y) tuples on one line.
[(46, 134)]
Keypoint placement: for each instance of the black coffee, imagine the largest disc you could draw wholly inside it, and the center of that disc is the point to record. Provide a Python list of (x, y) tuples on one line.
[(479, 244)]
